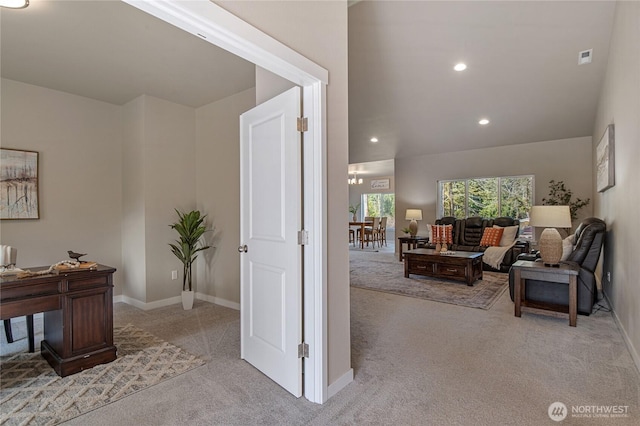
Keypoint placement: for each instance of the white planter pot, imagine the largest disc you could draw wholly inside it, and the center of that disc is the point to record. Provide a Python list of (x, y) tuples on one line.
[(187, 300)]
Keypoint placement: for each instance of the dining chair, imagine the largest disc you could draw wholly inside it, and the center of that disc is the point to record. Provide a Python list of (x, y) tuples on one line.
[(383, 230), (352, 236), (366, 219), (372, 233)]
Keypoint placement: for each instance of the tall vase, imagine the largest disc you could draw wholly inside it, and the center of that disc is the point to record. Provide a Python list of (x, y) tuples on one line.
[(187, 299), (438, 248)]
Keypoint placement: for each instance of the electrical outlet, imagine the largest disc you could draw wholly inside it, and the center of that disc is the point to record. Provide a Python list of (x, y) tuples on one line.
[(609, 276), (174, 275)]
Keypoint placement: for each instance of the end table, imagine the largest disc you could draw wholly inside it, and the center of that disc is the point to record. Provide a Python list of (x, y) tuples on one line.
[(565, 273), (411, 242)]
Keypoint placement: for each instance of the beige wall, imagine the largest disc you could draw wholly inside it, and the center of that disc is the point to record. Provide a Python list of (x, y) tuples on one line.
[(218, 194), (269, 85), (318, 30), (568, 160), (79, 141), (618, 206)]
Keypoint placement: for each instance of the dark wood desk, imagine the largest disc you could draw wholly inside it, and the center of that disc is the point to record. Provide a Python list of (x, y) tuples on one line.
[(411, 242), (78, 315), (565, 273)]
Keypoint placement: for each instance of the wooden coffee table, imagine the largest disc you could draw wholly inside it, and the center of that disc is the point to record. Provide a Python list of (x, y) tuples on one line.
[(461, 266)]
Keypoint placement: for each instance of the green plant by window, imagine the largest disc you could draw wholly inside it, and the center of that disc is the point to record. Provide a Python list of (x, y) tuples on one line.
[(354, 209), (559, 195)]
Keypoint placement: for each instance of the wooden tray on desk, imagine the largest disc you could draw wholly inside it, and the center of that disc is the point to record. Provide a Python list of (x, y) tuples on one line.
[(84, 266)]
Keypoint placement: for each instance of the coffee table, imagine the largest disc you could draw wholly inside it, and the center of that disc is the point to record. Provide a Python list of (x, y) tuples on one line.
[(460, 265)]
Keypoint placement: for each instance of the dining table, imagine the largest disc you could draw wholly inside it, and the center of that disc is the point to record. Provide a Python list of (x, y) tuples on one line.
[(361, 224)]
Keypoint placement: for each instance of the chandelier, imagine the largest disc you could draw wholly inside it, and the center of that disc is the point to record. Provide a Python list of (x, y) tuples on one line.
[(354, 180)]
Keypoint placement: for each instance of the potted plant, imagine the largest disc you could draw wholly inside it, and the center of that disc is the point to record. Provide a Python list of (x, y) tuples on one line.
[(190, 228), (354, 211)]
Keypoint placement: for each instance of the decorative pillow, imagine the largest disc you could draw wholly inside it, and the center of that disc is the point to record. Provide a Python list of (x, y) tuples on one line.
[(567, 246), (441, 234), (508, 236), (491, 237)]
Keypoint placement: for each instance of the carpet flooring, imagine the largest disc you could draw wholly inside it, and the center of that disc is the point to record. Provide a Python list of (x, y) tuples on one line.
[(381, 271), (31, 393)]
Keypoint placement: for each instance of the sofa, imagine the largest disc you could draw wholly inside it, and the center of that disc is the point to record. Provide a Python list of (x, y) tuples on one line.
[(585, 251), (467, 234)]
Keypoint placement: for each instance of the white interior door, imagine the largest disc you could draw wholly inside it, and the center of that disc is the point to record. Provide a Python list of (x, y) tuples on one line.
[(270, 206)]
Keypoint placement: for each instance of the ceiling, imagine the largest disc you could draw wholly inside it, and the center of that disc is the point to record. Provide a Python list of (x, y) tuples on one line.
[(523, 74), (113, 52), (522, 68)]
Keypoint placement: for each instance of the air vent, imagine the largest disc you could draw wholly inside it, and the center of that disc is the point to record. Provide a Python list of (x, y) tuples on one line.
[(585, 56)]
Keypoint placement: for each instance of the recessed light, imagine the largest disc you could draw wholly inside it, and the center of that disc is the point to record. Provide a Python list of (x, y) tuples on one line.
[(374, 140), (460, 67), (483, 122)]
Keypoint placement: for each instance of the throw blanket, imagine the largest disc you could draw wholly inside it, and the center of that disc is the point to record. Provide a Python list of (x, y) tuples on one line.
[(493, 255)]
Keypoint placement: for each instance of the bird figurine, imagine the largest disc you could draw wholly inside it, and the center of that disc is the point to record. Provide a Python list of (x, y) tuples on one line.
[(76, 256)]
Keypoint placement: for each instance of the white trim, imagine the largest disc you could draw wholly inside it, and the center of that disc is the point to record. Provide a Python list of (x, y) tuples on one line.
[(174, 300), (218, 301), (632, 350), (221, 28), (341, 383)]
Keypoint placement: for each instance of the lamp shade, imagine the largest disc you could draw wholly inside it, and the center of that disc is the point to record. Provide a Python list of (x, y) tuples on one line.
[(413, 214), (550, 217)]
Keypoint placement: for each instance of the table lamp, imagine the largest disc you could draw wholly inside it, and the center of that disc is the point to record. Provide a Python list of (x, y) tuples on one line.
[(413, 215), (550, 218)]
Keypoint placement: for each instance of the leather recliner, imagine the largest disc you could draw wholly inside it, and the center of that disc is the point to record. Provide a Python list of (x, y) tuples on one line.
[(589, 237)]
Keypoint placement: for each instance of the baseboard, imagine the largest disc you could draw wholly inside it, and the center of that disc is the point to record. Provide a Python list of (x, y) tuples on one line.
[(218, 301), (625, 336), (173, 300), (339, 384)]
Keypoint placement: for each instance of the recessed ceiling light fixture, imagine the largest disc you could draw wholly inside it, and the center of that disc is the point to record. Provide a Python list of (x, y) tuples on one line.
[(14, 4), (460, 67), (483, 122), (374, 140)]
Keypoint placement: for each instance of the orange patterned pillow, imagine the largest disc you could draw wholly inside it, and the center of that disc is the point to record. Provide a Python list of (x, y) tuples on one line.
[(491, 237), (442, 234)]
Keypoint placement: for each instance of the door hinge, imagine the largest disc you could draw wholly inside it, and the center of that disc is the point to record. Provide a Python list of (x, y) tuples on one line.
[(303, 124), (303, 350), (303, 237)]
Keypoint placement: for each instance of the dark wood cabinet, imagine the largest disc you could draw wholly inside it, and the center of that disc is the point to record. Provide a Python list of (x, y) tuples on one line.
[(78, 315)]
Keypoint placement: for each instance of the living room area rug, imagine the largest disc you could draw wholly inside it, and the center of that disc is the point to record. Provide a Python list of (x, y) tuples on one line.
[(381, 271), (31, 393)]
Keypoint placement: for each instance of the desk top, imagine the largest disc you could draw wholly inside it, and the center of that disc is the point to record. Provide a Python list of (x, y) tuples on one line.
[(69, 272)]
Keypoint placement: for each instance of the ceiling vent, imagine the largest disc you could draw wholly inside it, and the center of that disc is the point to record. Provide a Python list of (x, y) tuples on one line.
[(585, 57)]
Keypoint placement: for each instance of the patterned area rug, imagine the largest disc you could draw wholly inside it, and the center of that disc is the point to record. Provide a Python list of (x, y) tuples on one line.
[(382, 272), (31, 393)]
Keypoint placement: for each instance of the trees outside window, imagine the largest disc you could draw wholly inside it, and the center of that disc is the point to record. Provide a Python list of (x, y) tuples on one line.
[(492, 197), (378, 205)]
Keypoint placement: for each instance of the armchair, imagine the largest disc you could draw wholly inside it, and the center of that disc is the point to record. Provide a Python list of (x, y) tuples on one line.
[(589, 237)]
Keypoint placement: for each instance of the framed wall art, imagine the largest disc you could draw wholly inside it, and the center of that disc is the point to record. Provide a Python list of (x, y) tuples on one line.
[(605, 160), (380, 184), (19, 184)]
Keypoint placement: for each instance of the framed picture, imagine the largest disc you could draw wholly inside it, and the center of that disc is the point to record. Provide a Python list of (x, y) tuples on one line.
[(19, 184), (605, 160), (380, 184)]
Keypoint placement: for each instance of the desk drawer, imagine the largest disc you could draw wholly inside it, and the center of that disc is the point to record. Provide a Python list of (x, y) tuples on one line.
[(97, 281), (31, 306), (26, 291), (420, 267)]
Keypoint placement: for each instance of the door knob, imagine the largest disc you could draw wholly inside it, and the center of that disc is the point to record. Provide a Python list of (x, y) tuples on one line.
[(243, 249)]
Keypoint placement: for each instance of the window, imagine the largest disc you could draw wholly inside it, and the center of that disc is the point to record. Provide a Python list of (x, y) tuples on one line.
[(378, 205), (510, 196)]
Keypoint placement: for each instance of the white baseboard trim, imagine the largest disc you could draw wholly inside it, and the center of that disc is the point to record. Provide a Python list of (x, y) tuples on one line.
[(632, 350), (173, 300), (218, 301), (339, 384)]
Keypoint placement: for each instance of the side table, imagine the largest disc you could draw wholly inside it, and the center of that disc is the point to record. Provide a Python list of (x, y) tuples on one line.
[(411, 242), (565, 273)]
